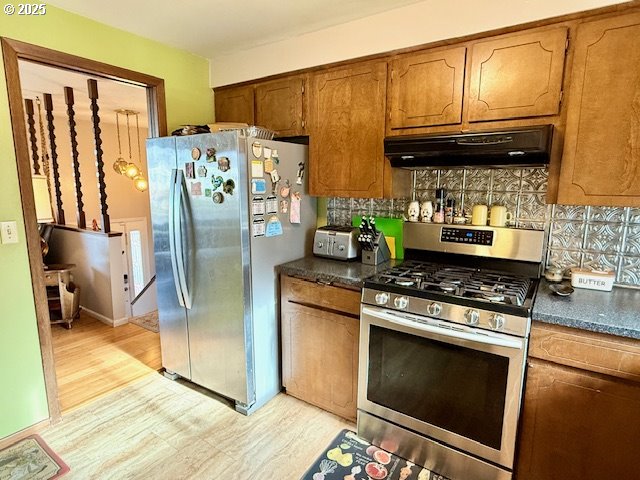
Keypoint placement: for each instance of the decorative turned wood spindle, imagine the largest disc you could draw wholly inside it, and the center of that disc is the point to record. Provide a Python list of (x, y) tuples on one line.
[(48, 107), (102, 187), (28, 104), (68, 98)]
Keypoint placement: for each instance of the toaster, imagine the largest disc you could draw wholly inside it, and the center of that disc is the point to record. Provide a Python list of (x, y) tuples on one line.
[(340, 243)]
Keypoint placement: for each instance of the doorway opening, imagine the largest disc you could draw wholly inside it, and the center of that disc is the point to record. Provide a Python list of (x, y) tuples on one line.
[(104, 267)]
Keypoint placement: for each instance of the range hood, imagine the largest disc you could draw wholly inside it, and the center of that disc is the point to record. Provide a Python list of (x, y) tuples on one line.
[(524, 146)]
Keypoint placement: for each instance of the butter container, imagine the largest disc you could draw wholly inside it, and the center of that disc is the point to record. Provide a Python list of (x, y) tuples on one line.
[(592, 279)]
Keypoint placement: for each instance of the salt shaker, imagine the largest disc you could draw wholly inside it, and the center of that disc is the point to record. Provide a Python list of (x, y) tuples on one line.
[(426, 212), (414, 211)]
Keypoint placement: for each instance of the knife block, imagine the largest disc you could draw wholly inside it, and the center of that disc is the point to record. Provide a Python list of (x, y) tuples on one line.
[(380, 252)]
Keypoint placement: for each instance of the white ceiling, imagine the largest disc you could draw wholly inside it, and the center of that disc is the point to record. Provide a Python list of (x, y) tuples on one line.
[(37, 79), (215, 27)]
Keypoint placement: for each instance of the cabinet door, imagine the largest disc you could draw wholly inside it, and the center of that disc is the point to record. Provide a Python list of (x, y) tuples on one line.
[(320, 358), (578, 425), (601, 160), (234, 104), (279, 106), (426, 89), (346, 151), (517, 76)]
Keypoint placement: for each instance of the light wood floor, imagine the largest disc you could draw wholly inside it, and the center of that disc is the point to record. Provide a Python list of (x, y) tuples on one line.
[(93, 359), (156, 428)]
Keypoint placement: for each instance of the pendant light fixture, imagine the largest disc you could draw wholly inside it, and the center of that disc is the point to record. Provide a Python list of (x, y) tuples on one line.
[(120, 164), (130, 169), (141, 183)]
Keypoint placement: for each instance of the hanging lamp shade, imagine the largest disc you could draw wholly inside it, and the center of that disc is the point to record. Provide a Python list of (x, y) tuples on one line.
[(141, 183), (120, 165), (132, 171)]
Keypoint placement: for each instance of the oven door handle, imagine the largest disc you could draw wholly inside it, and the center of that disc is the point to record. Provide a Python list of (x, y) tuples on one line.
[(445, 332)]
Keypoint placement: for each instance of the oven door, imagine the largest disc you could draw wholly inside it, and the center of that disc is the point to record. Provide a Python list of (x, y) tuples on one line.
[(456, 384)]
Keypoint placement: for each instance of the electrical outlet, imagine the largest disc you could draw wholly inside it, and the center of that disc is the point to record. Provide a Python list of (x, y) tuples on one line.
[(9, 232)]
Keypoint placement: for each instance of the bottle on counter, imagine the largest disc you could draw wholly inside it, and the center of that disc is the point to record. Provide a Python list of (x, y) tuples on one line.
[(459, 217), (439, 214), (449, 211)]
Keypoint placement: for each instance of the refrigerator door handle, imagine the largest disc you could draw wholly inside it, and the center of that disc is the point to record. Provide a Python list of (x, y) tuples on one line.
[(181, 191), (172, 236)]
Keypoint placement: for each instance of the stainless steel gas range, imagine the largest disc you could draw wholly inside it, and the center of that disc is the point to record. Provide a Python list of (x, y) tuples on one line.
[(443, 343)]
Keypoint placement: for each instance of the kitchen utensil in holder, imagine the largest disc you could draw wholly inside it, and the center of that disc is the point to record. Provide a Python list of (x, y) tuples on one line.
[(380, 252)]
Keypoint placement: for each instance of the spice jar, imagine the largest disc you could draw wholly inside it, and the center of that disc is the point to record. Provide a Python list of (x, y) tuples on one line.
[(554, 274)]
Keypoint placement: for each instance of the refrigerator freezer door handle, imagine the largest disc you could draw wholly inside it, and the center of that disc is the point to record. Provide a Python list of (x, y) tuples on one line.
[(172, 235), (181, 191)]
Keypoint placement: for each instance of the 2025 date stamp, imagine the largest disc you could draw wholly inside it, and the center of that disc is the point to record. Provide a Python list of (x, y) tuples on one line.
[(25, 9)]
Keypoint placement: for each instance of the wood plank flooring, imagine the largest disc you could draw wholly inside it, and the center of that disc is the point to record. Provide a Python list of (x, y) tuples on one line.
[(160, 429), (93, 359)]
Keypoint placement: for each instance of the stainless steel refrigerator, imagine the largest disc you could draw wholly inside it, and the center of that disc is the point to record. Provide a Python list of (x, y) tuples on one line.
[(222, 220)]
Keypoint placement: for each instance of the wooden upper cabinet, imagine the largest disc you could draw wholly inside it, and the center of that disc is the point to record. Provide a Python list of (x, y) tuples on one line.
[(601, 160), (234, 104), (426, 89), (346, 131), (280, 106), (517, 76)]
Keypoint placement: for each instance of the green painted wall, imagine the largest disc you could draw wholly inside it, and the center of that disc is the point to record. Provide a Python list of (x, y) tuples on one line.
[(189, 100)]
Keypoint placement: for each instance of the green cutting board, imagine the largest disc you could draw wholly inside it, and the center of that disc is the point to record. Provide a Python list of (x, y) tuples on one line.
[(391, 227)]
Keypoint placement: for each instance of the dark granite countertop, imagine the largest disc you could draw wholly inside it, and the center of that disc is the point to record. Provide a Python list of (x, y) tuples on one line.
[(336, 272), (616, 312)]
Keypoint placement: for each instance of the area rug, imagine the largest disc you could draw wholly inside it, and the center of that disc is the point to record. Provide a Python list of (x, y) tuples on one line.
[(148, 321), (30, 459), (348, 457)]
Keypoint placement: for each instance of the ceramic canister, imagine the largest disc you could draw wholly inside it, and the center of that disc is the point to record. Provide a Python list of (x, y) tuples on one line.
[(479, 215)]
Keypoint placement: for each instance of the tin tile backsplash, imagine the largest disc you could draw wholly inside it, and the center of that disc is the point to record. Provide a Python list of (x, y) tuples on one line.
[(522, 191), (597, 236), (578, 236)]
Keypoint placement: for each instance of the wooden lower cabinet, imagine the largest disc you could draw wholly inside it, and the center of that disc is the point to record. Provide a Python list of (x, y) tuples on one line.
[(319, 348), (578, 424)]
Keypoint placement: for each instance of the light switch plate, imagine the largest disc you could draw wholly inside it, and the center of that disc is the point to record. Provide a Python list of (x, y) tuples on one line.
[(9, 232)]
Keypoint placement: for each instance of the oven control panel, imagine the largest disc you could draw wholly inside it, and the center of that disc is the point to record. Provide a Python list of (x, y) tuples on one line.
[(466, 235), (448, 312)]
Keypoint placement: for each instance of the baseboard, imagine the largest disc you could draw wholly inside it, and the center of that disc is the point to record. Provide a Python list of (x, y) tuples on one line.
[(120, 321), (16, 437), (106, 320)]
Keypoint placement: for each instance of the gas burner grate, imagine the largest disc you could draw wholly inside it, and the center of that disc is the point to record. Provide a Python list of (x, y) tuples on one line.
[(468, 282)]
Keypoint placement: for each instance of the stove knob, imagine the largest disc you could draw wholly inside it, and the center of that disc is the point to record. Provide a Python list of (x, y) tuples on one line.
[(320, 244), (434, 308), (382, 298), (496, 321), (471, 316), (401, 302)]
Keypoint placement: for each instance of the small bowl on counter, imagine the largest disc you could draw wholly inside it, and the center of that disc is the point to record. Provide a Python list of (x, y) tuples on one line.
[(561, 289)]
